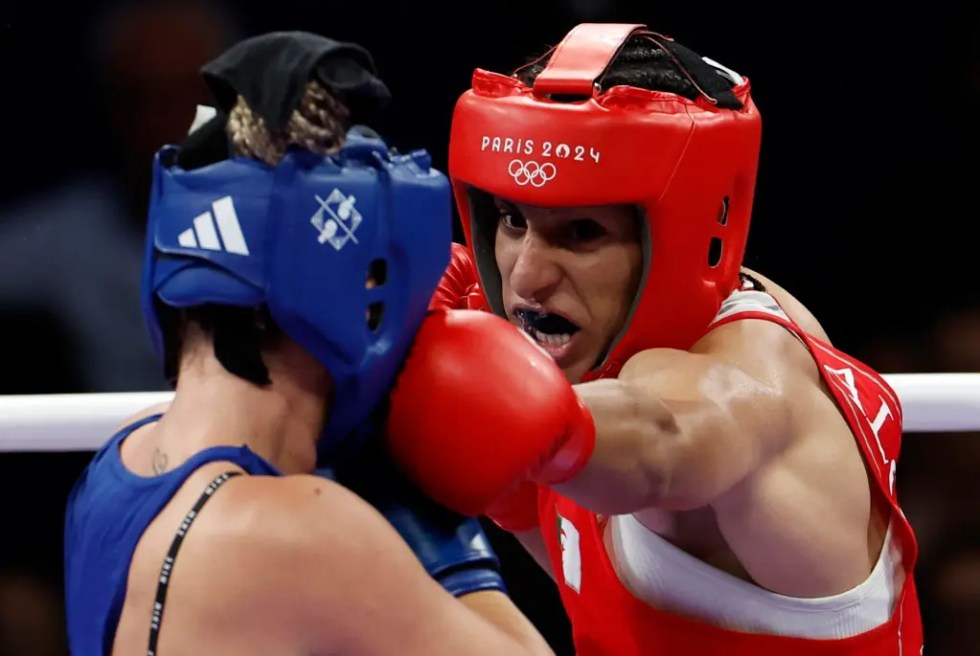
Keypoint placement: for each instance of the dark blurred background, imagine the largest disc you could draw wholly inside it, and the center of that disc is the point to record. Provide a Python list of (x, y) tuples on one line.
[(869, 155)]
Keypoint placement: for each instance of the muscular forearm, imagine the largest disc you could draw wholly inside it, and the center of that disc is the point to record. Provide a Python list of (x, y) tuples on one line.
[(629, 469)]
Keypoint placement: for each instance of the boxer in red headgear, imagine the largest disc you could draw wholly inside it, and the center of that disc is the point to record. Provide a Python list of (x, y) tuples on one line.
[(739, 497)]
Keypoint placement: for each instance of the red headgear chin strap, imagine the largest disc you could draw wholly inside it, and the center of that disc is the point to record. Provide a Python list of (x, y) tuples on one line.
[(689, 165)]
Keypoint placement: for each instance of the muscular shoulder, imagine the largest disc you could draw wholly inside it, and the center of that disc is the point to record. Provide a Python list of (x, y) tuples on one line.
[(277, 546), (288, 518)]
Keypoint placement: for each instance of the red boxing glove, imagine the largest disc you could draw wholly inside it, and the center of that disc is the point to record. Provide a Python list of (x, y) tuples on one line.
[(459, 288), (479, 407), (517, 509)]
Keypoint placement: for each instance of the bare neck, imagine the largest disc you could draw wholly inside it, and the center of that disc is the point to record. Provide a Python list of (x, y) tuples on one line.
[(280, 422)]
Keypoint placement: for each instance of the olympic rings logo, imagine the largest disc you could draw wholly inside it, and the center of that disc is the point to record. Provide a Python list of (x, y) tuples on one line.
[(531, 173)]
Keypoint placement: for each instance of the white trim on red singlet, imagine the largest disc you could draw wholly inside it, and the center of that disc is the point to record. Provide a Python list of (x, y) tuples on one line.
[(666, 577)]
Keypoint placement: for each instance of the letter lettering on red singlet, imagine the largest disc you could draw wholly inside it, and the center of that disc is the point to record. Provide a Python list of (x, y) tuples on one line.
[(845, 377)]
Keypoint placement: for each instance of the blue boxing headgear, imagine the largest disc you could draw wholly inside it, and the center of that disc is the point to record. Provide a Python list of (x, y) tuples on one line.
[(302, 239)]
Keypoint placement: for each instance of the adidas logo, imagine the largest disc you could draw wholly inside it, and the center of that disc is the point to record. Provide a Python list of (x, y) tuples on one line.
[(204, 235)]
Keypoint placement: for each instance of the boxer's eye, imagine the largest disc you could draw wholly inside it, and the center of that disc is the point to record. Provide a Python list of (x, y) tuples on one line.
[(545, 322), (512, 220)]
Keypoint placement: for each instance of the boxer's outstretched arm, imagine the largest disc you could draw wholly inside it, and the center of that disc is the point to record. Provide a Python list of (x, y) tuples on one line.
[(343, 581), (677, 428)]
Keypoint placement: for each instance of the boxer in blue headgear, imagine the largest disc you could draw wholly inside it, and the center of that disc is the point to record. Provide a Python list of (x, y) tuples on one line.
[(289, 264)]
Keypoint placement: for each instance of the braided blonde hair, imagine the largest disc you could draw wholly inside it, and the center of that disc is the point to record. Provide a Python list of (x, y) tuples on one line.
[(317, 124)]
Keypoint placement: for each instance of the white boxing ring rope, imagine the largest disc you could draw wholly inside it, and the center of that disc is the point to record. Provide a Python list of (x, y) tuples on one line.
[(940, 402)]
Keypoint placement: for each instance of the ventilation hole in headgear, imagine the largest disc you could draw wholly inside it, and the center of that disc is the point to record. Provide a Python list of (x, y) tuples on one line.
[(377, 273), (714, 252), (723, 213), (374, 313)]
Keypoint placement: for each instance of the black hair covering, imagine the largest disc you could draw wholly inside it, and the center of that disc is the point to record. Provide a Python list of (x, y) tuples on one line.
[(271, 72)]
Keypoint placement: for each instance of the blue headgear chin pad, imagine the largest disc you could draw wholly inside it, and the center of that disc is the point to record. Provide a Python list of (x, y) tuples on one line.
[(303, 239)]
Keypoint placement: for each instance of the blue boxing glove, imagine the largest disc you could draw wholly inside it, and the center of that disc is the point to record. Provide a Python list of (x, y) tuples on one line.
[(452, 548)]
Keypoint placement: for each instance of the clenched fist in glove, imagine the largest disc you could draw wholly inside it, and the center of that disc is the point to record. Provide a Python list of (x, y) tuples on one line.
[(479, 408)]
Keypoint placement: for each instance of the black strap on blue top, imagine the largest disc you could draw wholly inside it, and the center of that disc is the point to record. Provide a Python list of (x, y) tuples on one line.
[(168, 562)]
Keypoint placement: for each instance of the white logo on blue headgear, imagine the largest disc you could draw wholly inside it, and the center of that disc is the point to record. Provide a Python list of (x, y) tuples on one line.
[(203, 233), (337, 219)]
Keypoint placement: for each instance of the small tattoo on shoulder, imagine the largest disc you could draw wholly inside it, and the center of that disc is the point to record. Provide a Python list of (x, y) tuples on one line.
[(159, 461)]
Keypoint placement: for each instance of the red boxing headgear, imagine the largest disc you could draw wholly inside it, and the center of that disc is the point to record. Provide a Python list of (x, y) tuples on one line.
[(689, 165)]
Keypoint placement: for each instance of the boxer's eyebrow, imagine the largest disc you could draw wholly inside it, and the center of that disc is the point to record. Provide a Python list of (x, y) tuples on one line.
[(505, 206)]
